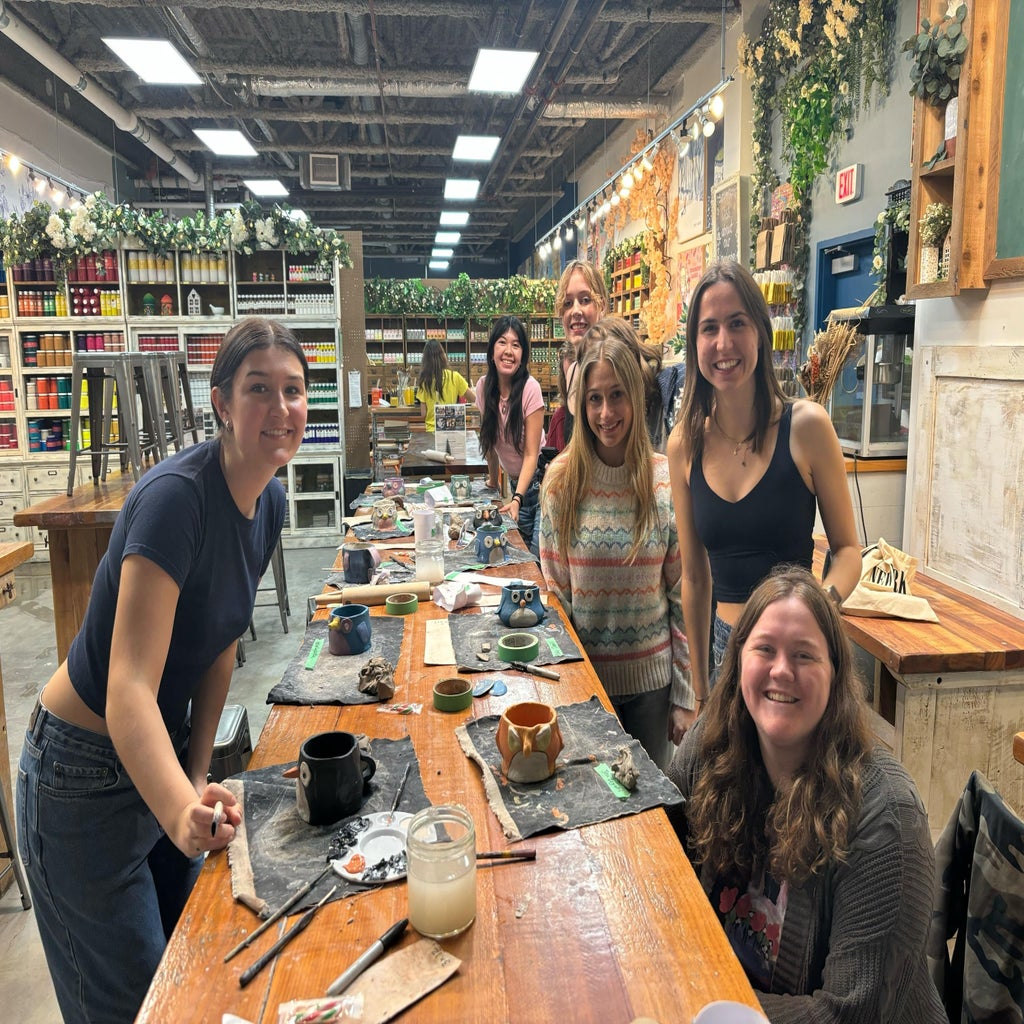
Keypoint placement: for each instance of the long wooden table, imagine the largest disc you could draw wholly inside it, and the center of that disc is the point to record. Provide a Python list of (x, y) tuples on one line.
[(79, 529), (608, 924)]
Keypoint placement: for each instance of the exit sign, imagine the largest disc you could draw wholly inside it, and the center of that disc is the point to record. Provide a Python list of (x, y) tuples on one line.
[(849, 183)]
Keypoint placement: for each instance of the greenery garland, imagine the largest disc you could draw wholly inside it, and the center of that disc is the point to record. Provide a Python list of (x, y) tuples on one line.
[(892, 219), (97, 224), (818, 62), (463, 297)]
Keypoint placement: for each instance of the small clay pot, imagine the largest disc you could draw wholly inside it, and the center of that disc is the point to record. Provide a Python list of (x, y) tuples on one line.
[(529, 741), (453, 694)]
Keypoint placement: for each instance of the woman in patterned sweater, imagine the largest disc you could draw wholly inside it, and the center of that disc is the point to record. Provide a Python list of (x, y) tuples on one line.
[(608, 545)]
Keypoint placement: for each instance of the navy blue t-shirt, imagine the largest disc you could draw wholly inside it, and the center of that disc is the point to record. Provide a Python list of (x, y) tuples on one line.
[(182, 517)]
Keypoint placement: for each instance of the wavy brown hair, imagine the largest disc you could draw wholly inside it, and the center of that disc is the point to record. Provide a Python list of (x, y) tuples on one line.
[(698, 393), (435, 362), (568, 477), (738, 823)]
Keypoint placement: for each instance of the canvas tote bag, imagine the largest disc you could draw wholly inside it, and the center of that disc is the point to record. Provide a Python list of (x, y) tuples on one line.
[(884, 588)]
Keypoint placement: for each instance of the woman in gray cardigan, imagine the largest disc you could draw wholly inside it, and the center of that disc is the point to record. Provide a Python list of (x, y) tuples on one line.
[(812, 845)]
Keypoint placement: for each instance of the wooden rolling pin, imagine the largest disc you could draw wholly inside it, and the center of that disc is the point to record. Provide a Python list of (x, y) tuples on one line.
[(374, 593)]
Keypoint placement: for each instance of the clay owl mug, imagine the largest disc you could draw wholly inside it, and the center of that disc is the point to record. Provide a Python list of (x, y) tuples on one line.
[(393, 485), (486, 515), (520, 605), (529, 741), (461, 488), (359, 560), (348, 629), (333, 774), (384, 515), (490, 545)]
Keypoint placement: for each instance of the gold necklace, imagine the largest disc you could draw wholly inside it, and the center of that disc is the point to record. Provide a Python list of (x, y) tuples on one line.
[(741, 446)]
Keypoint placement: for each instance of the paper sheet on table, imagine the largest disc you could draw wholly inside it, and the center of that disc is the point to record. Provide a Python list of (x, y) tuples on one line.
[(437, 644)]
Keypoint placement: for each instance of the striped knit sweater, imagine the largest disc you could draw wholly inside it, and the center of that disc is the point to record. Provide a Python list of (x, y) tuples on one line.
[(628, 616)]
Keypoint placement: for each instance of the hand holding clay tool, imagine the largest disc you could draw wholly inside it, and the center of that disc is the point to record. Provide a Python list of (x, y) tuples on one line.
[(250, 972), (279, 913)]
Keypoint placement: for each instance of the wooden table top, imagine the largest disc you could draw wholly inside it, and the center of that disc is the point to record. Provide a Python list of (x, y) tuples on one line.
[(13, 553), (970, 636), (413, 463), (1018, 747), (608, 924), (93, 504)]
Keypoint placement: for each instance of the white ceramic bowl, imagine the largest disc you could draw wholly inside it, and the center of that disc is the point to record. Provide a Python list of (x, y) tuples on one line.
[(216, 310), (724, 1011)]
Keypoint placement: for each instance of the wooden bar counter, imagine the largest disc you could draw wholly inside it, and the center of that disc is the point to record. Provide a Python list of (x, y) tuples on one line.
[(79, 529), (608, 924)]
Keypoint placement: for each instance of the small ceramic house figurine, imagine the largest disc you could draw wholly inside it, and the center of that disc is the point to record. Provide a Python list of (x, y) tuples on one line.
[(195, 304), (166, 306), (520, 605), (148, 305)]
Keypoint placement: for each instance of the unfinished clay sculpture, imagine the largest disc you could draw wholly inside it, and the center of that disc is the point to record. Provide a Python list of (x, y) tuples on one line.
[(625, 770), (377, 677)]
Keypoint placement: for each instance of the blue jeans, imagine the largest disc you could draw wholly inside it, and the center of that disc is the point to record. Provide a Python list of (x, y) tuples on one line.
[(645, 717), (107, 884), (528, 511), (720, 633)]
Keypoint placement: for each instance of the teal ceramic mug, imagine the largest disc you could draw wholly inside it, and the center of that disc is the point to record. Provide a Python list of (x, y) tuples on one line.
[(348, 629)]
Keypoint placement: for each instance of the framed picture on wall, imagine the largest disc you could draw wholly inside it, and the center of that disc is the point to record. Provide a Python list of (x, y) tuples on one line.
[(691, 175), (730, 220)]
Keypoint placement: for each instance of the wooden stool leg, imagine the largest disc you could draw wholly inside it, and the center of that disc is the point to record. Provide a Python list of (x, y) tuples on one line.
[(15, 865)]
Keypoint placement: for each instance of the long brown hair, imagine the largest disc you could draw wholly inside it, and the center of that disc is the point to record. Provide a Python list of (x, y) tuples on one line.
[(698, 393), (568, 477), (738, 823), (435, 362)]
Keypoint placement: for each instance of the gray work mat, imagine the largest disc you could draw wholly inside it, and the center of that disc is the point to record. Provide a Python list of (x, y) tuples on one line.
[(575, 795), (275, 852), (481, 493), (335, 678), (367, 531), (471, 631)]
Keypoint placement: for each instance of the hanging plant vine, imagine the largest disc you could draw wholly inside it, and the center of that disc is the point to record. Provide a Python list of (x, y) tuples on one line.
[(818, 62)]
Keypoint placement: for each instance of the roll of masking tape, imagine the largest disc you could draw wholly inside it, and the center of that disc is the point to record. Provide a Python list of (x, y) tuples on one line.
[(401, 604), (518, 647)]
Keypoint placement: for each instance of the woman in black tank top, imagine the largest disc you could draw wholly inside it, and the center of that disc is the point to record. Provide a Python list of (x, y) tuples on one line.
[(725, 467)]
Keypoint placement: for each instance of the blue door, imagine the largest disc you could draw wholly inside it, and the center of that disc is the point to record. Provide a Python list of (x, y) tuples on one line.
[(848, 288)]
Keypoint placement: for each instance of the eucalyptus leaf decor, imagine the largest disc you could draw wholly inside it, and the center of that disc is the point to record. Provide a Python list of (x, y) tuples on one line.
[(938, 52)]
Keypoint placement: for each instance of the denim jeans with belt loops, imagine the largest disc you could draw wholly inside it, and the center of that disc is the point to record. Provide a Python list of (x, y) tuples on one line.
[(107, 884)]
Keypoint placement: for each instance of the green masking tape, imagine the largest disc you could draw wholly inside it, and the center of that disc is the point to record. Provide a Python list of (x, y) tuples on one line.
[(518, 647), (401, 604)]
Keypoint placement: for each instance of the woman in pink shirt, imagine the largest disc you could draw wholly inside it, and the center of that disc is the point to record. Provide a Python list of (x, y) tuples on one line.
[(512, 420)]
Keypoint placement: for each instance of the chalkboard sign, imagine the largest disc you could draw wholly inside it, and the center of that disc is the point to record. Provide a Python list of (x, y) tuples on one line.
[(1005, 246)]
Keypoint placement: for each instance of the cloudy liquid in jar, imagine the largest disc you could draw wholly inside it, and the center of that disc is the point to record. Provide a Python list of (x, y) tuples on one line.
[(442, 871)]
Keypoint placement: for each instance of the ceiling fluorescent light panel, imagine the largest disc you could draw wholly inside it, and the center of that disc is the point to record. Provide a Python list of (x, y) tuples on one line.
[(155, 61), (501, 71), (454, 218), (479, 148), (225, 143), (461, 188)]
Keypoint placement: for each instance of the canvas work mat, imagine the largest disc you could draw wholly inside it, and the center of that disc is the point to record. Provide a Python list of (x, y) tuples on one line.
[(481, 493), (335, 678), (367, 531), (470, 632), (575, 795), (275, 852)]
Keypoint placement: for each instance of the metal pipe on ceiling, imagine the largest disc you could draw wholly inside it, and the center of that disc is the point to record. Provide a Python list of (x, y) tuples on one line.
[(607, 108), (37, 47)]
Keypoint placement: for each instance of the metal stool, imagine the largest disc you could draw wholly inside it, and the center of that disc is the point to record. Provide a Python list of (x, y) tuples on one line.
[(12, 855), (173, 387), (103, 372), (280, 589)]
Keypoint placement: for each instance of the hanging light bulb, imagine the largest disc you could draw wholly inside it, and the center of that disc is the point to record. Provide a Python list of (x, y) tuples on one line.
[(58, 195), (708, 129), (717, 106), (581, 222), (684, 145), (695, 129), (14, 163), (646, 163), (568, 232), (556, 242), (615, 200), (39, 185), (627, 181), (638, 173)]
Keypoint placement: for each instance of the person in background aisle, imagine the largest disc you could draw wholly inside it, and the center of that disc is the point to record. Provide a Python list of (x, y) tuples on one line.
[(811, 841), (114, 809), (581, 300), (556, 425), (608, 546), (438, 384), (512, 420), (748, 466)]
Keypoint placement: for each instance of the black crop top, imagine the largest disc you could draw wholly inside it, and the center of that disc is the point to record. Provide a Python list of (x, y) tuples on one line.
[(770, 526)]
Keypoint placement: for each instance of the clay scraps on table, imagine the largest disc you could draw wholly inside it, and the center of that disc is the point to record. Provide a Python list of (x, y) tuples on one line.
[(471, 633), (576, 794)]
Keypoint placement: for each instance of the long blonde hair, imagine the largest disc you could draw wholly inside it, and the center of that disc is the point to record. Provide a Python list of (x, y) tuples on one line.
[(568, 477)]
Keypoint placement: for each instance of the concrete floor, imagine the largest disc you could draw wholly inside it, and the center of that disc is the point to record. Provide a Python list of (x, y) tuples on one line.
[(28, 650)]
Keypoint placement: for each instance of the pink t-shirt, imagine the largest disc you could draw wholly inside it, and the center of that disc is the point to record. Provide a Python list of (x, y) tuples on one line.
[(511, 460)]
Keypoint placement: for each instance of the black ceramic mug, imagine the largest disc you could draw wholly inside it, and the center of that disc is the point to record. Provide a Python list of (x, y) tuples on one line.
[(333, 774)]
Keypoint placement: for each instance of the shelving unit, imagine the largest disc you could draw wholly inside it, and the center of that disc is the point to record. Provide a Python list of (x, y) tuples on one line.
[(630, 288), (44, 321), (960, 180)]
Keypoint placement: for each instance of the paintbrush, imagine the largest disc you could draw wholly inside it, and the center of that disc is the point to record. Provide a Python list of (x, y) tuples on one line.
[(507, 855)]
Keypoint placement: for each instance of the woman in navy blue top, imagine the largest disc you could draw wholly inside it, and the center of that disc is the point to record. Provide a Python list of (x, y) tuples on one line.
[(114, 810), (748, 468)]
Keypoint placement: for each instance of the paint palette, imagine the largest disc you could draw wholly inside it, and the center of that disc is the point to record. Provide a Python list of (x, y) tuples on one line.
[(377, 853)]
